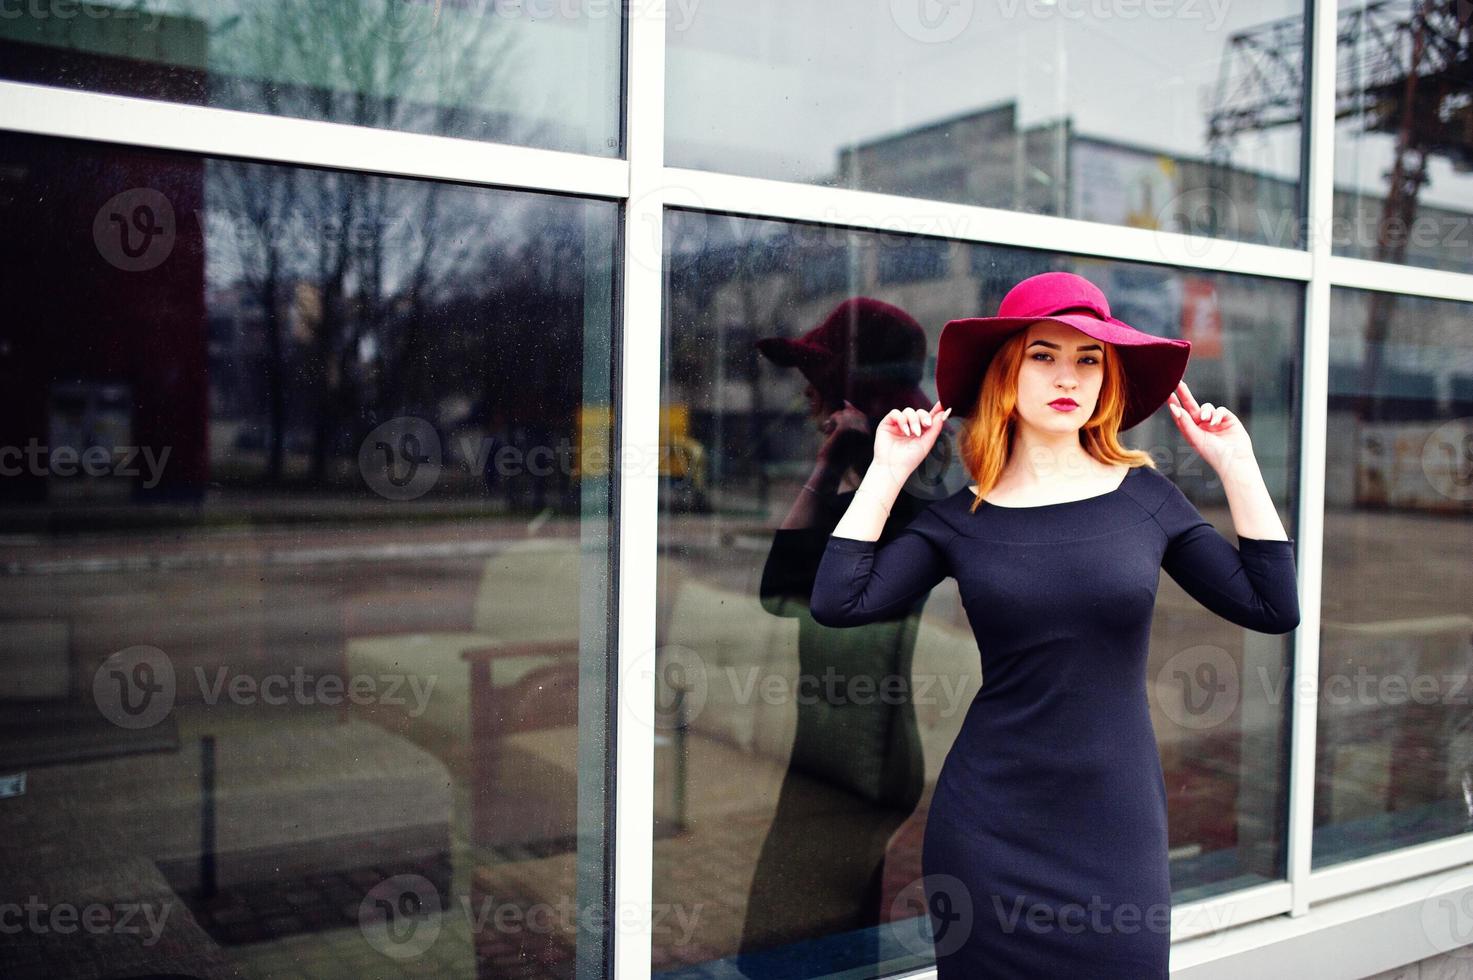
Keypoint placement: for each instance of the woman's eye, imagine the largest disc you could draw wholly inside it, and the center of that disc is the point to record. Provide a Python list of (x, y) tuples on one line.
[(1088, 358)]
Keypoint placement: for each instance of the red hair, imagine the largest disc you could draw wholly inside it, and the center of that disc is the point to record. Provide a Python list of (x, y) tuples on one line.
[(990, 431)]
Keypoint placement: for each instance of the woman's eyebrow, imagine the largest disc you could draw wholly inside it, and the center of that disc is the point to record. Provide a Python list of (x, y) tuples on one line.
[(1055, 346)]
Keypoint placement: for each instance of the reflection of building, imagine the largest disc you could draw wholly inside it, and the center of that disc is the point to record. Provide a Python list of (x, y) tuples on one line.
[(90, 316), (981, 158)]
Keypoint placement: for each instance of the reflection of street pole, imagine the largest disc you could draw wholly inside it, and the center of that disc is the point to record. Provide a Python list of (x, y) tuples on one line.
[(208, 883), (680, 688), (718, 406), (674, 678)]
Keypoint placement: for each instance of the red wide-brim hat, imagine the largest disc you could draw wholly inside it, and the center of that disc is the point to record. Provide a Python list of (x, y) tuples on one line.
[(1153, 365)]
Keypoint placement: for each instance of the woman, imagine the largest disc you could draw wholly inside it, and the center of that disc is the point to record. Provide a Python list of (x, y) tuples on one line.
[(1045, 848), (855, 771)]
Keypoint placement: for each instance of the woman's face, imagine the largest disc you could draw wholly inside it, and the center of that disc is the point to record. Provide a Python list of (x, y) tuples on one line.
[(1059, 362), (818, 409)]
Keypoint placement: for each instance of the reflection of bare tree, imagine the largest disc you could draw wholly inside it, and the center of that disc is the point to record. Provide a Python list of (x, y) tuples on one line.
[(344, 269), (374, 253), (375, 297), (389, 64)]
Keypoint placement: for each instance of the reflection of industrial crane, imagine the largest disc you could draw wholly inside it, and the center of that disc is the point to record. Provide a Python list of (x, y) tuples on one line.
[(1403, 67)]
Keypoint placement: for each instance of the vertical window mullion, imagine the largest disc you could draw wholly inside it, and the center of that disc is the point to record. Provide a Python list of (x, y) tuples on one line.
[(1319, 181), (636, 466)]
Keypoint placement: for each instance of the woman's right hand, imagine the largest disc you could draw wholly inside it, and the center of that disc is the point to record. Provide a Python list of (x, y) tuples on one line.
[(846, 433), (905, 437)]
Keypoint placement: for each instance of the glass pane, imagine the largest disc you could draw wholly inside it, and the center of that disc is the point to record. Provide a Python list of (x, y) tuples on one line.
[(1404, 134), (1176, 116), (795, 763), (531, 73), (1395, 745), (304, 624)]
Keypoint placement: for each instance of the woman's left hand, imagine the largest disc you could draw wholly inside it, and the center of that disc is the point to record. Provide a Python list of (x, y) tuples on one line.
[(1212, 430)]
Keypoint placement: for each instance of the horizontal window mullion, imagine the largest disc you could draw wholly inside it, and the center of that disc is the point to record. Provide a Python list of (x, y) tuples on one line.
[(51, 111), (1396, 278), (764, 198), (1390, 867)]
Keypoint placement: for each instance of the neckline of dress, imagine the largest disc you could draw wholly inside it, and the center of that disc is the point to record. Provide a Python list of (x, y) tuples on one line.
[(971, 488)]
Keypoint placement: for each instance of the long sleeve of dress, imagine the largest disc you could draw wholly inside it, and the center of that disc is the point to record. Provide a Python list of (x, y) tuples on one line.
[(1252, 585), (791, 566), (861, 582)]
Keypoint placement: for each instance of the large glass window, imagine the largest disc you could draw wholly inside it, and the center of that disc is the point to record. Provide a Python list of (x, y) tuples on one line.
[(795, 762), (535, 73), (305, 622), (1404, 134), (1179, 116), (1394, 761)]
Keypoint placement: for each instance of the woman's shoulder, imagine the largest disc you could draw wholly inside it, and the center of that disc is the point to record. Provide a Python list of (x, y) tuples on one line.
[(1149, 487), (931, 514)]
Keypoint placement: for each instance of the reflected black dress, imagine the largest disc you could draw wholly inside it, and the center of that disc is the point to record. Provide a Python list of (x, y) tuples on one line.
[(1045, 847)]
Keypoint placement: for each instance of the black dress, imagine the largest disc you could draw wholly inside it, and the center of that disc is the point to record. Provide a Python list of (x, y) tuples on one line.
[(1045, 847)]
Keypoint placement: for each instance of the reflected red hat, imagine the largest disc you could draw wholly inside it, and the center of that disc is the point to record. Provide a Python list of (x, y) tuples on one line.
[(1153, 365), (862, 339)]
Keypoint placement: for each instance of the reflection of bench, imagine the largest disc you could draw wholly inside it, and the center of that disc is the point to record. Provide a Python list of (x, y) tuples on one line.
[(44, 720), (1394, 721), (513, 667), (740, 644)]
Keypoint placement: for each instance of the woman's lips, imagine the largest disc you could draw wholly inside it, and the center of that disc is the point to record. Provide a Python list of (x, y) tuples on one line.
[(1063, 405)]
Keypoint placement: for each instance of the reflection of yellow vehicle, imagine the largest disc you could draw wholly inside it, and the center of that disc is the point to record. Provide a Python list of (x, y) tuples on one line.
[(682, 458)]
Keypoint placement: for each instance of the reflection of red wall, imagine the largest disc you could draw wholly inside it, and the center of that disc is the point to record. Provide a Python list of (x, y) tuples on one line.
[(73, 315), (1201, 316)]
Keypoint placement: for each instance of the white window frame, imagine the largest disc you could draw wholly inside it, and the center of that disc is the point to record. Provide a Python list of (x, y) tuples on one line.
[(645, 186)]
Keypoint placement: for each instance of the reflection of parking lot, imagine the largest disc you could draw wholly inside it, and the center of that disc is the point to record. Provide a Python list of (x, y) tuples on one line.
[(304, 797)]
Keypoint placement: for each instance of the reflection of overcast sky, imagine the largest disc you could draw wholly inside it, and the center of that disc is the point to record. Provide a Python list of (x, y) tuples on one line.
[(775, 89), (549, 72), (469, 225)]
